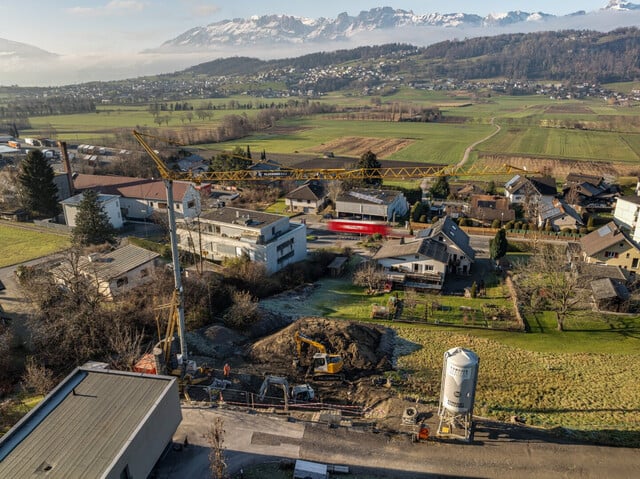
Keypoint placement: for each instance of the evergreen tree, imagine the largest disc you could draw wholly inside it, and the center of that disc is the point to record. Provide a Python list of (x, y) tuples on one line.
[(248, 155), (40, 193), (263, 155), (369, 161), (498, 245), (491, 188), (440, 189), (92, 222)]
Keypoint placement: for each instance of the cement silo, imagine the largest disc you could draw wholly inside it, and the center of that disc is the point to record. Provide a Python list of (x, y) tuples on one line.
[(457, 393)]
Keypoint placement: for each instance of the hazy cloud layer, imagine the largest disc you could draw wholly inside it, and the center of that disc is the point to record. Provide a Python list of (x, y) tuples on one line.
[(78, 69)]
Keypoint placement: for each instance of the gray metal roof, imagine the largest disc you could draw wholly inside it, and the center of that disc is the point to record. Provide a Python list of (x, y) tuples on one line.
[(369, 196), (451, 230), (243, 217), (117, 262), (82, 426)]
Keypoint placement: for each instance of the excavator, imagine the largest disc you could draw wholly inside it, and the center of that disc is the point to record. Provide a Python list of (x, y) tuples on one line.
[(294, 394), (325, 366)]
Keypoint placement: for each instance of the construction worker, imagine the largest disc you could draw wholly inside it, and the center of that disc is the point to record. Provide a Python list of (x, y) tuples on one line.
[(226, 370)]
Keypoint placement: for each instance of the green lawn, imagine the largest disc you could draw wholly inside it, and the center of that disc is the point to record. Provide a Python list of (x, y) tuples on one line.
[(21, 244)]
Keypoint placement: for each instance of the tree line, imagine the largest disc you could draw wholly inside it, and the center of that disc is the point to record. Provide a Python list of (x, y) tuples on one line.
[(57, 105)]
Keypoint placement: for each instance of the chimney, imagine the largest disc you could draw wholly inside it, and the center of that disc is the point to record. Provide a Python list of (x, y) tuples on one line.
[(67, 165)]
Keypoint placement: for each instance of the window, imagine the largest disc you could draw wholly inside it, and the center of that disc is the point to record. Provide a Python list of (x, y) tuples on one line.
[(634, 263), (428, 267), (144, 273), (121, 282), (416, 268), (178, 206), (610, 254), (191, 204), (162, 206)]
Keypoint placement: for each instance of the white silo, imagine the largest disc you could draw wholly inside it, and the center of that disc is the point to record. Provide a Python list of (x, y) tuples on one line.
[(457, 393)]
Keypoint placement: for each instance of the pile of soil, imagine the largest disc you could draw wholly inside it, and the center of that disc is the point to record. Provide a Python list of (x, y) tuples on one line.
[(366, 349)]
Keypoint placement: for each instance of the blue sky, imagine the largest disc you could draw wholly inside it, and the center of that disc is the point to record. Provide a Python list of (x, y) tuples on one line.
[(99, 27)]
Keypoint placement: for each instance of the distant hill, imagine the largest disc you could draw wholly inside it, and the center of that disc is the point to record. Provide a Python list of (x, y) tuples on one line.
[(571, 55), (10, 50)]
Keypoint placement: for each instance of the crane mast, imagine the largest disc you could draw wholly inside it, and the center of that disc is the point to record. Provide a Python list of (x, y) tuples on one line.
[(167, 177)]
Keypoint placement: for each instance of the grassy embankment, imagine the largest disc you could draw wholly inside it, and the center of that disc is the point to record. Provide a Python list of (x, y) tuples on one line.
[(20, 244)]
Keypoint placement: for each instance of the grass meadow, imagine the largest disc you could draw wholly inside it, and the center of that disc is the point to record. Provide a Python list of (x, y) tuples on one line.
[(23, 244), (583, 379)]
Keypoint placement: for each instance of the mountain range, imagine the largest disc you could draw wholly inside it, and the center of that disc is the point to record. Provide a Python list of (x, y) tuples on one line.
[(286, 29)]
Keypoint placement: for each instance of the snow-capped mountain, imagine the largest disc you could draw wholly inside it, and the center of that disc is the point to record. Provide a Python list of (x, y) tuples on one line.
[(621, 5), (285, 29)]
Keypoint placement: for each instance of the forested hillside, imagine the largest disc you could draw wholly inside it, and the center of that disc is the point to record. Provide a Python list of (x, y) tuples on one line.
[(567, 55)]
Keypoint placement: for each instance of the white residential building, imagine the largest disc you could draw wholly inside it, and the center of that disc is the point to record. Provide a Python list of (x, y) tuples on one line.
[(109, 203), (421, 263), (233, 232), (141, 197), (626, 215), (447, 232)]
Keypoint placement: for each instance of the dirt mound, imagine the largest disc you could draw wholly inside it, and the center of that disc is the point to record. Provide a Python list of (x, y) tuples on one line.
[(366, 349), (357, 146)]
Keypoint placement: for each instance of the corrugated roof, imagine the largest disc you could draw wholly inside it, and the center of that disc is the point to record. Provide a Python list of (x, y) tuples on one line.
[(82, 426), (119, 261), (607, 288), (369, 196)]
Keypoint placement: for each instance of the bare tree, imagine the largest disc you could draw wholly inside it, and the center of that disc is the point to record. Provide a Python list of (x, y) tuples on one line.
[(547, 282), (215, 437), (369, 275), (37, 378), (243, 312)]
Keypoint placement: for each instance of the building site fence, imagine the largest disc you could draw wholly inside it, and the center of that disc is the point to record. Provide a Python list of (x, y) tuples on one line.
[(241, 398)]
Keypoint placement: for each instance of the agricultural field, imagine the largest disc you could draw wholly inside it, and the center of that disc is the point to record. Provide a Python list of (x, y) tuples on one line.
[(570, 144), (425, 142), (20, 244)]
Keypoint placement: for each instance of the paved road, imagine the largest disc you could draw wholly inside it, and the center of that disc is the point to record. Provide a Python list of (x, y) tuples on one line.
[(498, 451)]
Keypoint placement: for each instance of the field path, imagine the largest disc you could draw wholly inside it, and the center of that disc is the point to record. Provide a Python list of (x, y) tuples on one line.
[(470, 148)]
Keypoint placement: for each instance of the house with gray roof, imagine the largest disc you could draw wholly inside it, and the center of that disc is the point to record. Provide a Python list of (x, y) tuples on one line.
[(611, 245), (372, 204), (419, 263), (460, 253), (308, 198), (95, 423), (227, 232), (556, 213), (113, 273)]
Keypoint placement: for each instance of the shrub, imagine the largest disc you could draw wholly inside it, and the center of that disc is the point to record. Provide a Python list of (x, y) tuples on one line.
[(495, 224), (243, 312)]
